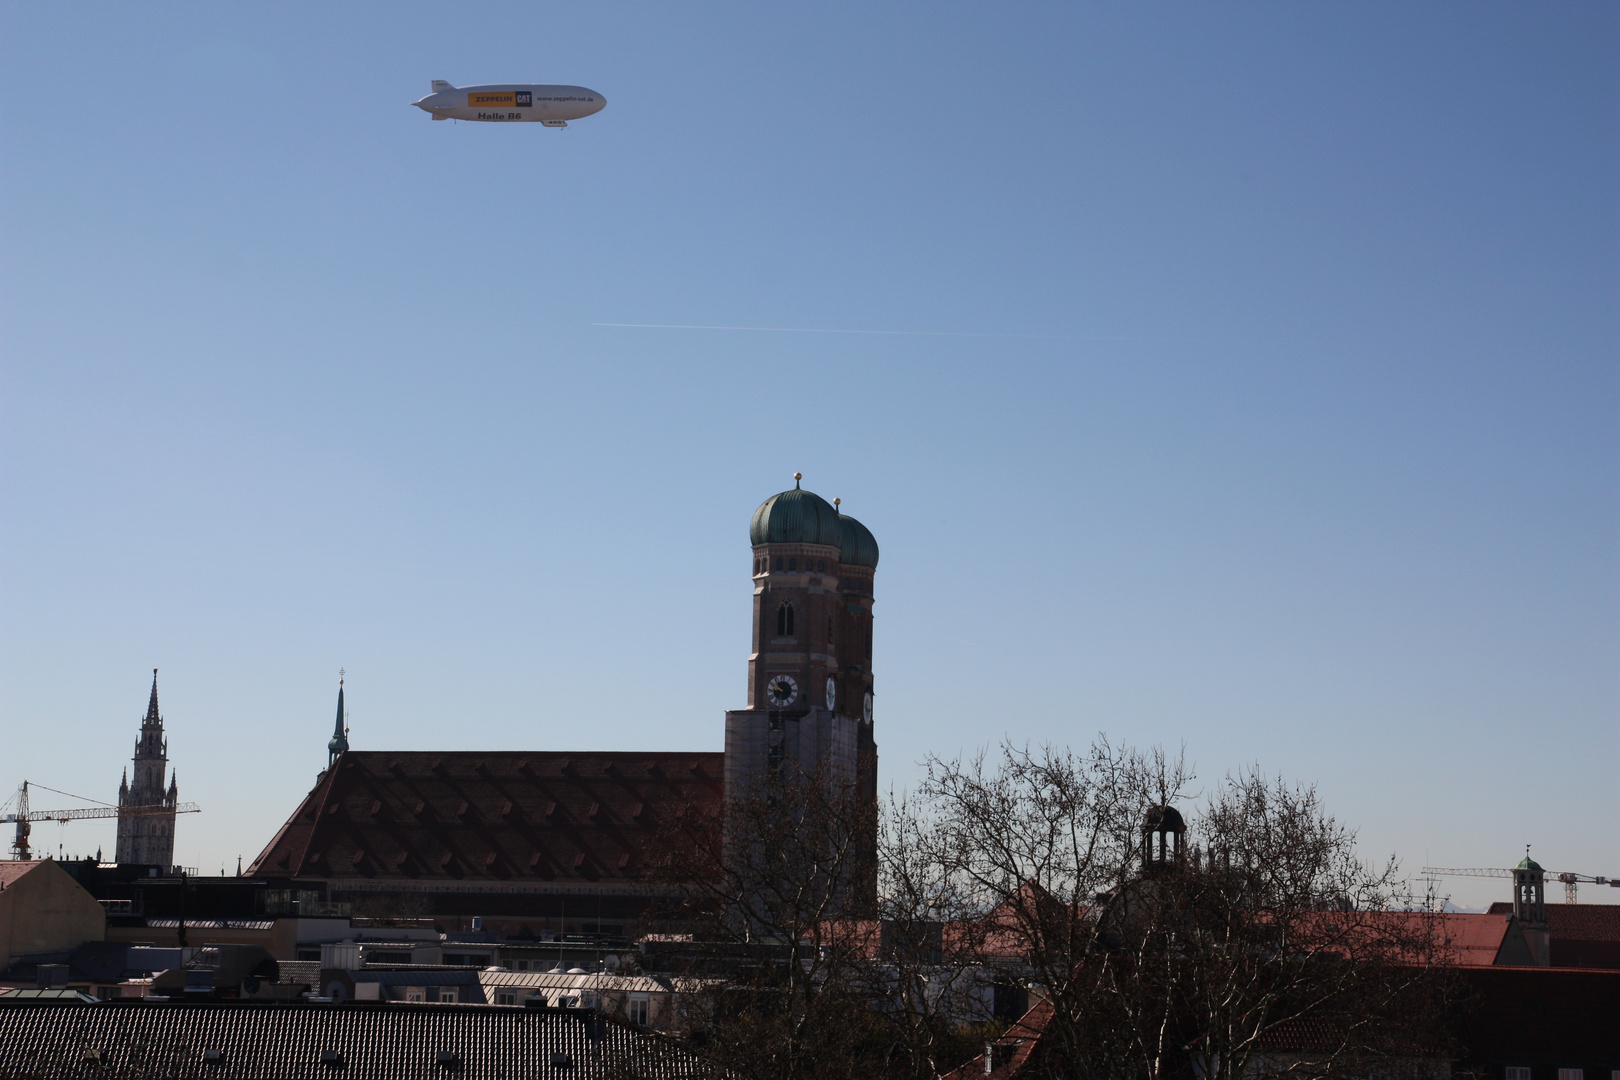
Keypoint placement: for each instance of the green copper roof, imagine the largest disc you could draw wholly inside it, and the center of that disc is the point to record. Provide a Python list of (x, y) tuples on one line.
[(1527, 863), (803, 517), (856, 544), (794, 517)]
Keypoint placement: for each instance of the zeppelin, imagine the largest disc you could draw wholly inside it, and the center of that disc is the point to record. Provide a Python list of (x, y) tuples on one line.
[(508, 103)]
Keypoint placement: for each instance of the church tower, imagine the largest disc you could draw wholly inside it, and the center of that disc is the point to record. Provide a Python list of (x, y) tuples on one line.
[(338, 744), (1530, 906), (149, 838), (809, 706)]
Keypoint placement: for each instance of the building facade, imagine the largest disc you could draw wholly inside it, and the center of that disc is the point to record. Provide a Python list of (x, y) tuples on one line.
[(148, 838)]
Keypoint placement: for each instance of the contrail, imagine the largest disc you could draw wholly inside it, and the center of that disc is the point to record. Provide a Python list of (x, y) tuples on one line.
[(821, 330)]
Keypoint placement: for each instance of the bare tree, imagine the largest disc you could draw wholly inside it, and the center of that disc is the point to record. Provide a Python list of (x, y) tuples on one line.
[(765, 897), (1269, 948), (1037, 836), (932, 993)]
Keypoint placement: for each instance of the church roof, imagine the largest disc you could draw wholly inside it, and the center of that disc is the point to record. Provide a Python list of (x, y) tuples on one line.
[(795, 517), (856, 544), (506, 816)]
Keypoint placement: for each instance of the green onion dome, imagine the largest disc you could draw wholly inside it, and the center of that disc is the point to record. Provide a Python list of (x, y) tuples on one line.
[(856, 544), (796, 517), (1527, 863)]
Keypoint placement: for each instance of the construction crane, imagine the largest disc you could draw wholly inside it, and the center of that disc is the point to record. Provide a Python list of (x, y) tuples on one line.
[(24, 816), (1570, 880)]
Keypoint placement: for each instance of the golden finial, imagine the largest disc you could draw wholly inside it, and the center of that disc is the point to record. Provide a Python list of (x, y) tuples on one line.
[(340, 676), (837, 503), (796, 478)]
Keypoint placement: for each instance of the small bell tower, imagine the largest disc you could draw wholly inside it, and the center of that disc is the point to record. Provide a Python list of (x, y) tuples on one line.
[(1163, 835), (1530, 907)]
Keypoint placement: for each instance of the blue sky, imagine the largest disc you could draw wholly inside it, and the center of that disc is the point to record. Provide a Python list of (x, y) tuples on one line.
[(1256, 392)]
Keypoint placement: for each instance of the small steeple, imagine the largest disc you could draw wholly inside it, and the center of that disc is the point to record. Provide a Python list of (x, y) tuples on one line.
[(340, 736)]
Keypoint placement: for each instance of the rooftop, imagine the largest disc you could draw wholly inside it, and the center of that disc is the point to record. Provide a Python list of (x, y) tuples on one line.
[(488, 816), (285, 1041)]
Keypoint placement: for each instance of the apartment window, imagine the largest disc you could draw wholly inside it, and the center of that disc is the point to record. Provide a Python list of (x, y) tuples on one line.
[(635, 1010), (522, 965), (1571, 1074), (415, 993), (505, 997), (447, 993)]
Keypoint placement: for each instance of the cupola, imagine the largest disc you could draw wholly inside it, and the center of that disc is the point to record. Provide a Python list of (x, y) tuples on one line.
[(797, 517)]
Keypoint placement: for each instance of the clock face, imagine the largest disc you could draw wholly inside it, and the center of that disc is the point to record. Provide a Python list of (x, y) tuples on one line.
[(866, 707), (832, 694), (782, 690)]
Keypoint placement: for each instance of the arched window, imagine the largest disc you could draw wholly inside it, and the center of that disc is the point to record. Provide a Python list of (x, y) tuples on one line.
[(784, 620), (793, 564), (779, 564), (829, 629)]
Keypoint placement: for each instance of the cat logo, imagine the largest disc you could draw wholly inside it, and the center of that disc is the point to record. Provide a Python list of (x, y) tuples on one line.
[(525, 98)]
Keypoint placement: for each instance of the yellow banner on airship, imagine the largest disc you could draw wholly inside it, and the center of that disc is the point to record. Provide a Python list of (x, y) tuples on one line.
[(505, 98)]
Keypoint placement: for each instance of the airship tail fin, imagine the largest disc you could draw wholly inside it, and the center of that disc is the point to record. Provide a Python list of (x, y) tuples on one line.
[(440, 86)]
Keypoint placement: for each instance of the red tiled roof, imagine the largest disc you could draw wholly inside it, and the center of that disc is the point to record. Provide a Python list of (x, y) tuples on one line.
[(495, 816), (11, 870), (1581, 935), (1027, 1032), (1474, 940), (1590, 922)]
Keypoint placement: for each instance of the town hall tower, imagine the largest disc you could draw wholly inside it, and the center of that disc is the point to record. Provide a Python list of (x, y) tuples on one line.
[(149, 838)]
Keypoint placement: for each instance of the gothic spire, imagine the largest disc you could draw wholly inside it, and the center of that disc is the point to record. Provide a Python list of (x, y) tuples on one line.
[(340, 736), (152, 716)]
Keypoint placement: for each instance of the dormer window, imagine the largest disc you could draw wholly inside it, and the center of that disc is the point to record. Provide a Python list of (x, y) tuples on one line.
[(784, 621)]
